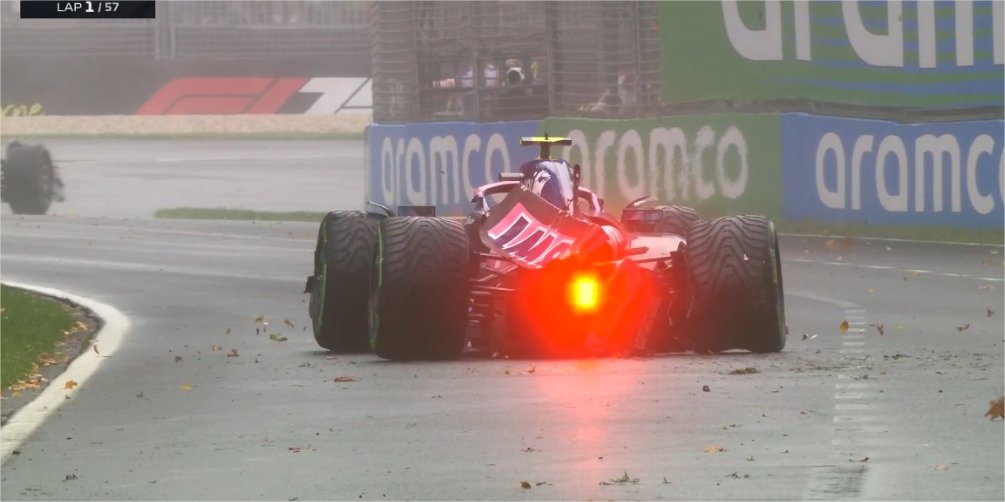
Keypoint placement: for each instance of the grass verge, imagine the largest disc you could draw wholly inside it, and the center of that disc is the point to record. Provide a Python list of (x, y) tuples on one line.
[(928, 233), (932, 233), (30, 325), (195, 213), (192, 136)]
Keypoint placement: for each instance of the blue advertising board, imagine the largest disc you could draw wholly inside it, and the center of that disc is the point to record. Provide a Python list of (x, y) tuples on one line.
[(886, 173), (441, 164)]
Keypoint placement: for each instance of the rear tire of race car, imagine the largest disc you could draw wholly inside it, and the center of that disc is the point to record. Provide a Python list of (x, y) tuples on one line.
[(735, 285), (339, 297), (419, 289), (29, 179), (676, 220)]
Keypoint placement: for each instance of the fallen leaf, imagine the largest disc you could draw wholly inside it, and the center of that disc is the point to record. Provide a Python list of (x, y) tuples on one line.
[(70, 384), (963, 327), (879, 327), (714, 449), (844, 326), (705, 388), (227, 332), (625, 478), (990, 312), (215, 348), (277, 338), (232, 353), (260, 319), (344, 378), (46, 359), (289, 323), (529, 372), (997, 409), (744, 371), (186, 387), (942, 467), (71, 477), (528, 450), (525, 485), (864, 459), (506, 372)]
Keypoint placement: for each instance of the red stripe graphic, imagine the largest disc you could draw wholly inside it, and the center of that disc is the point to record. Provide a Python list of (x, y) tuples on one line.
[(221, 95)]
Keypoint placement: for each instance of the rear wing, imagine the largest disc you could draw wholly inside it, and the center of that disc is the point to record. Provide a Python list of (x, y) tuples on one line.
[(545, 143)]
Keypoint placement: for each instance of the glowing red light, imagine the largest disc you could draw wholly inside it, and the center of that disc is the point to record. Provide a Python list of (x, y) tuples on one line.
[(584, 292)]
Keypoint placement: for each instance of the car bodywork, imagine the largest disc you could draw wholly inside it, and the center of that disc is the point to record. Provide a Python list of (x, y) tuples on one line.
[(541, 269)]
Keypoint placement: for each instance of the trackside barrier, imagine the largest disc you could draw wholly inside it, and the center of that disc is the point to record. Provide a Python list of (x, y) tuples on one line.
[(885, 173), (791, 165), (441, 164)]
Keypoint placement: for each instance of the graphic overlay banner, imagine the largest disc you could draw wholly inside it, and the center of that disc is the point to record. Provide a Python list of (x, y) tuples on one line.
[(125, 9)]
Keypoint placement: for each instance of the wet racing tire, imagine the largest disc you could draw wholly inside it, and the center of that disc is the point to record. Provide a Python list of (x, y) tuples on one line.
[(419, 289), (340, 286), (29, 179), (675, 220), (735, 285)]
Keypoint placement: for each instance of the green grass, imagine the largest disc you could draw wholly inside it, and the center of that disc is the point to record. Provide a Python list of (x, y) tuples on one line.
[(195, 213), (928, 233), (190, 136), (29, 325)]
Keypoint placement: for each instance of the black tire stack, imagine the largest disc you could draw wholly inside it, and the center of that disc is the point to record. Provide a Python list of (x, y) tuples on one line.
[(735, 285)]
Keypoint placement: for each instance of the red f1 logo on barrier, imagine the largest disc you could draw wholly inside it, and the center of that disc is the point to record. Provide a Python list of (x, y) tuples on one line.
[(233, 95), (221, 96)]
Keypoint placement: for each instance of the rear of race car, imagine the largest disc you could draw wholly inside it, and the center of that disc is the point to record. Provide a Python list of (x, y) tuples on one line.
[(558, 286)]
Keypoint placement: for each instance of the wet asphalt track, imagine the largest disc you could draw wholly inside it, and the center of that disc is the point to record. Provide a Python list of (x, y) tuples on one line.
[(835, 416)]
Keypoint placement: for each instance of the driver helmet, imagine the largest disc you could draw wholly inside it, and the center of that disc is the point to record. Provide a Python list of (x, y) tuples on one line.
[(551, 179)]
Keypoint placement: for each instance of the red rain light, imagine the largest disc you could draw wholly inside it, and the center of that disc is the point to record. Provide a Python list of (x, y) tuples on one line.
[(584, 292)]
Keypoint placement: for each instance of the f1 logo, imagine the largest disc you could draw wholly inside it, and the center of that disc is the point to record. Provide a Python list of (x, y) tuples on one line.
[(221, 96), (264, 95)]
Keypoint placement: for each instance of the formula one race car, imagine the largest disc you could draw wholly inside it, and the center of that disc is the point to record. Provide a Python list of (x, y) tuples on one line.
[(539, 269), (29, 181)]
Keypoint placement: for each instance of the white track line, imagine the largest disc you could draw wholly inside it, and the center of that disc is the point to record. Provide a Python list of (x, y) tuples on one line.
[(32, 415), (900, 270)]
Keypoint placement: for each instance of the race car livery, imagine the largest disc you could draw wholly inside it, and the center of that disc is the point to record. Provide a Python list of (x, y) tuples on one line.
[(538, 268)]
